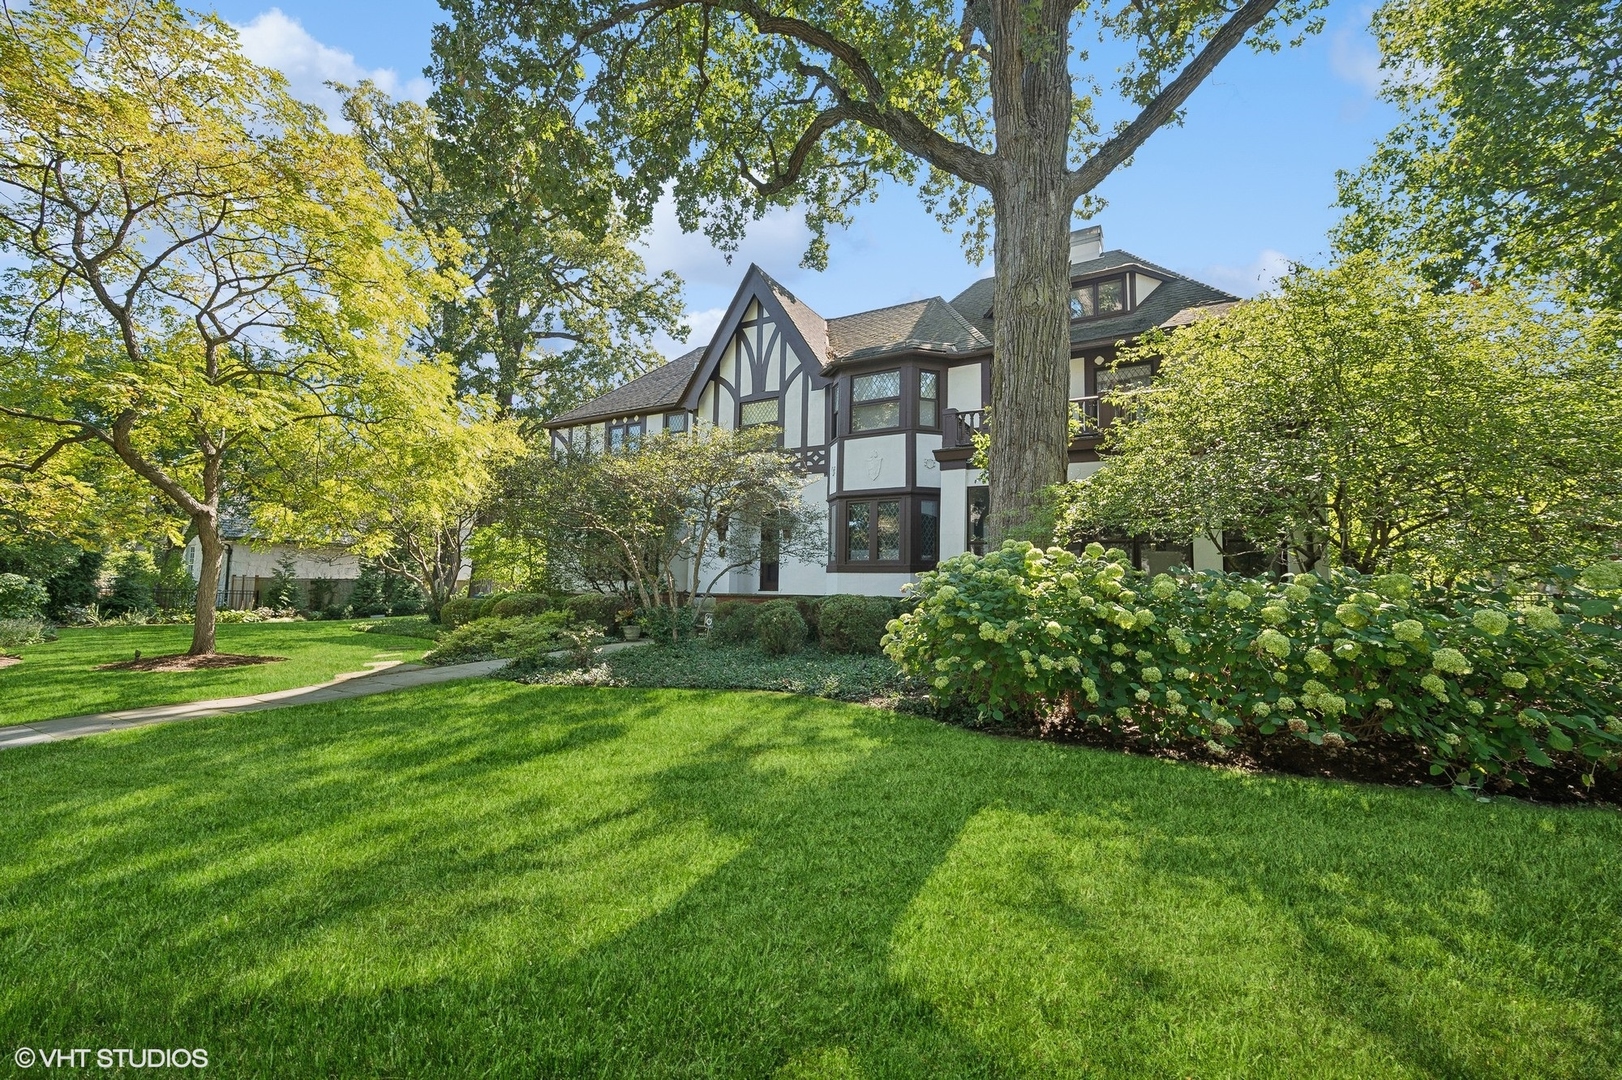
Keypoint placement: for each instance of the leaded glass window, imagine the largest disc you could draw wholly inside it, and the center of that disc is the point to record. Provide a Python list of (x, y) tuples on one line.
[(929, 391), (875, 401), (857, 532), (676, 421), (889, 530), (929, 530), (755, 413)]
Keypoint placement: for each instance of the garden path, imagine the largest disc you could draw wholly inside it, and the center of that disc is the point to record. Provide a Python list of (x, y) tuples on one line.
[(380, 680)]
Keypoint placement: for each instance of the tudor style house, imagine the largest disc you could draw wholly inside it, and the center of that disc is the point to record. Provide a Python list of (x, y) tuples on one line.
[(880, 408)]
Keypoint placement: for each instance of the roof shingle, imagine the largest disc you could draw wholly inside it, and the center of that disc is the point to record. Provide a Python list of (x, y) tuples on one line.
[(660, 388)]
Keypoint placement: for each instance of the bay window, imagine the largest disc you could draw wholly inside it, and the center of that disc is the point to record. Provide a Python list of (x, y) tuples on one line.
[(875, 401)]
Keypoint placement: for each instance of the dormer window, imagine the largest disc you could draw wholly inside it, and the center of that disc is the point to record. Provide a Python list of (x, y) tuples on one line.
[(1099, 297)]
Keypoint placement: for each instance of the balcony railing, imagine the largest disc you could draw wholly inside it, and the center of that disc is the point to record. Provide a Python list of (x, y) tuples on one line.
[(961, 426)]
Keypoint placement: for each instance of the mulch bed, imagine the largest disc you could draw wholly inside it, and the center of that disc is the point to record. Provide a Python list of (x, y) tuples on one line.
[(1375, 758), (182, 662)]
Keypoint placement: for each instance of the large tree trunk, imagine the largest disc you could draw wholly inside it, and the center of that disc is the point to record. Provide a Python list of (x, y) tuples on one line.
[(1030, 370), (208, 585)]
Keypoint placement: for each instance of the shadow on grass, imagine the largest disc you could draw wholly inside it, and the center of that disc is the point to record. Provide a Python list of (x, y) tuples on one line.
[(509, 880)]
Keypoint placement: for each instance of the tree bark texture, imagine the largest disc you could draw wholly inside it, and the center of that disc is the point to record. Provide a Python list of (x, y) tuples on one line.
[(208, 584), (1034, 197)]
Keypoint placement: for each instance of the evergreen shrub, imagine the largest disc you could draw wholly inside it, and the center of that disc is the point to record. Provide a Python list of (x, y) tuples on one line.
[(734, 623), (1485, 679), (521, 604), (854, 624), (779, 628)]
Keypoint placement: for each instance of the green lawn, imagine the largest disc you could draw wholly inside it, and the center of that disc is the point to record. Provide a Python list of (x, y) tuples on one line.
[(59, 678), (482, 878)]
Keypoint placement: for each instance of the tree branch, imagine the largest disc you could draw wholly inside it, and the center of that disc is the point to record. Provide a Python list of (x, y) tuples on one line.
[(1160, 111)]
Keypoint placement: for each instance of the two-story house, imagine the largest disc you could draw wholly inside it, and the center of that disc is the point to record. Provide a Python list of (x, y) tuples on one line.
[(880, 408)]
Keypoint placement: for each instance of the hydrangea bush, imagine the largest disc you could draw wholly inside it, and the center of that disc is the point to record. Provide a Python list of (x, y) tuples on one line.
[(1485, 679)]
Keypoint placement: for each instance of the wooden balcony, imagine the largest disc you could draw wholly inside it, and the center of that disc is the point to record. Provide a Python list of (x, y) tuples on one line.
[(958, 427)]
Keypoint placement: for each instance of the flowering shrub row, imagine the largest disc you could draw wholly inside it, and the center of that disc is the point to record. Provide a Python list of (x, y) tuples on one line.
[(1485, 680)]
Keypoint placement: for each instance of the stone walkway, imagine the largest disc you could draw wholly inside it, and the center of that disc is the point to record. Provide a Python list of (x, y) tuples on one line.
[(353, 685)]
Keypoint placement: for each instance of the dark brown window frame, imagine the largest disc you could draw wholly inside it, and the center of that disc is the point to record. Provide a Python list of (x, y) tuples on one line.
[(842, 405), (1125, 280), (918, 396), (900, 400), (624, 428), (910, 518), (776, 396)]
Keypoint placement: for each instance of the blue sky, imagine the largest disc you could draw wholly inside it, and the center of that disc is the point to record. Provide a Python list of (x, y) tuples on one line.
[(1246, 185)]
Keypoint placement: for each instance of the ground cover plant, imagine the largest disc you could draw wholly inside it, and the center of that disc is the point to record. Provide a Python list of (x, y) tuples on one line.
[(571, 883), (704, 665), (1486, 681), (60, 678)]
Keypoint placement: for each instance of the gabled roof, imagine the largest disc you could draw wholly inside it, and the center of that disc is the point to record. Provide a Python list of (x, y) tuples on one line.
[(959, 327), (812, 327), (1175, 295), (931, 324), (661, 388)]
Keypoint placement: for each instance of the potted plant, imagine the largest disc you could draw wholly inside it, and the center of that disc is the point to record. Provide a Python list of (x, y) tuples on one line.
[(631, 630)]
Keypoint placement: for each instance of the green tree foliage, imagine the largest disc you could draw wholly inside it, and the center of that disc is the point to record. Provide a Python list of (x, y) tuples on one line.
[(405, 493), (666, 517), (737, 106), (198, 265), (1507, 160), (550, 313), (1360, 414)]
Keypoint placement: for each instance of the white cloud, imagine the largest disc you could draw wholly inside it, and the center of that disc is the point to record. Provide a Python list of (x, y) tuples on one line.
[(277, 41), (701, 327), (1355, 58), (1259, 276), (776, 242)]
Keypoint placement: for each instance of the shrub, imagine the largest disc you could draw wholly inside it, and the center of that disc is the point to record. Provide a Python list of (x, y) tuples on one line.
[(458, 610), (854, 624), (734, 623), (367, 596), (664, 625), (76, 586), (1484, 680), (15, 633), (21, 598), (595, 609), (526, 641), (779, 628), (135, 575), (811, 611), (521, 604), (403, 596)]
